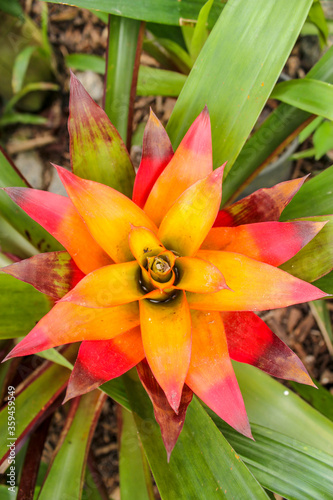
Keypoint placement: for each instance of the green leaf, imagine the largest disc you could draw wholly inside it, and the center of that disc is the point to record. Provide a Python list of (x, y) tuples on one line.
[(116, 390), (133, 469), (322, 315), (21, 307), (286, 466), (323, 139), (13, 8), (234, 91), (166, 31), (55, 356), (123, 39), (325, 283), (177, 54), (15, 216), (20, 67), (316, 258), (319, 191), (200, 464), (153, 81), (273, 135), (317, 17), (321, 399), (35, 398), (163, 11), (310, 95), (86, 62), (66, 475), (310, 129), (30, 87), (270, 404), (13, 242), (6, 494), (12, 118), (200, 34)]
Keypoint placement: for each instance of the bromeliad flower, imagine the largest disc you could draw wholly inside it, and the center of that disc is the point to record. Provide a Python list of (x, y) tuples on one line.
[(150, 282)]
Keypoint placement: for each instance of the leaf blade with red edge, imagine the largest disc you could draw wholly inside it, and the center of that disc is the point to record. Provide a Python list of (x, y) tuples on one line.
[(83, 323), (254, 286), (166, 338), (156, 153), (251, 341), (270, 242), (266, 204), (103, 360), (53, 273), (170, 423), (58, 216), (97, 150), (211, 376)]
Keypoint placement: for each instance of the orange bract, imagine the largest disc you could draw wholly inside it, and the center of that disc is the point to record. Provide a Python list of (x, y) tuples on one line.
[(161, 287)]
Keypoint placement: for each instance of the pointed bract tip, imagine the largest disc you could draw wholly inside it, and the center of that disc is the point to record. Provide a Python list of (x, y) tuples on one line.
[(8, 357), (67, 397), (205, 111)]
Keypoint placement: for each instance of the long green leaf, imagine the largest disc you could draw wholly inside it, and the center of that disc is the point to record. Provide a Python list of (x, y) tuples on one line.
[(200, 34), (65, 478), (123, 38), (321, 399), (323, 139), (133, 469), (279, 129), (21, 307), (164, 11), (20, 67), (310, 95), (201, 461), (286, 466), (272, 405), (15, 216), (237, 70)]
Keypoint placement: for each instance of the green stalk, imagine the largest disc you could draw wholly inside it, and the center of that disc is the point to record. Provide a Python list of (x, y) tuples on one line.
[(120, 62)]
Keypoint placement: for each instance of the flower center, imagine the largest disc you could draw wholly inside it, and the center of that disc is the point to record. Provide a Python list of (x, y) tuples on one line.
[(160, 268)]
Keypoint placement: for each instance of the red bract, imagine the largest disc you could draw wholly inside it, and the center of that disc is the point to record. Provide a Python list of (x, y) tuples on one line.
[(152, 284)]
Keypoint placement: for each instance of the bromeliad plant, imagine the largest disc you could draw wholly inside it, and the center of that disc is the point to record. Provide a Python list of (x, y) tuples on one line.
[(150, 283), (148, 271)]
